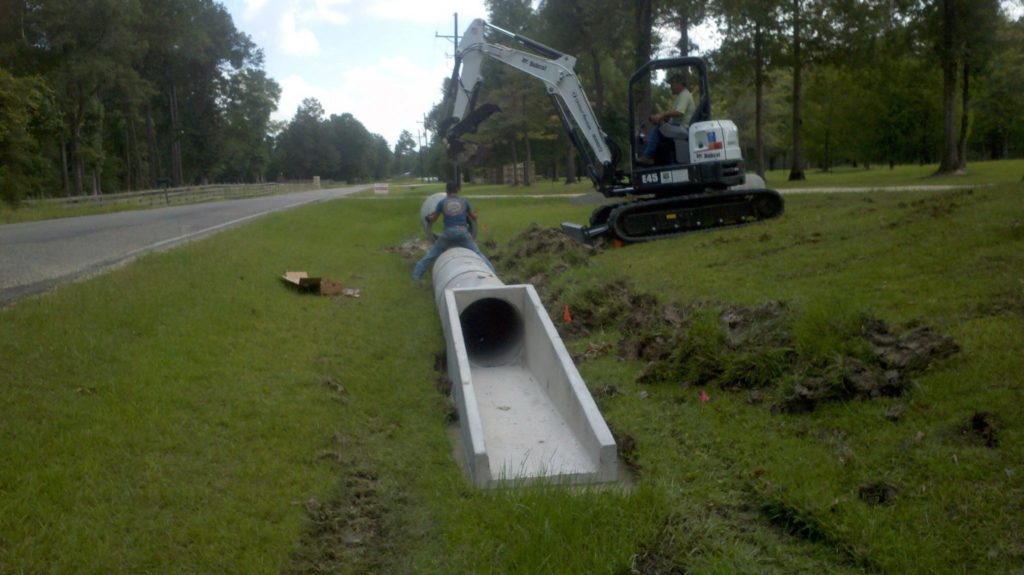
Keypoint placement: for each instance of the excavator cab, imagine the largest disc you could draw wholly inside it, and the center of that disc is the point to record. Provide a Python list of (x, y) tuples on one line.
[(692, 154)]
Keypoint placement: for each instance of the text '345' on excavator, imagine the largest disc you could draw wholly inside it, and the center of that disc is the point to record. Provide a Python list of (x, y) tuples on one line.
[(694, 180)]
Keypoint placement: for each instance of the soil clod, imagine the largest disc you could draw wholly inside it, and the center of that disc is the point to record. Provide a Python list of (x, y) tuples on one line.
[(983, 426), (877, 493)]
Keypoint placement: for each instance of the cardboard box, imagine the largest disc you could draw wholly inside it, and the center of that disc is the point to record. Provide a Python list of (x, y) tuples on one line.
[(305, 283)]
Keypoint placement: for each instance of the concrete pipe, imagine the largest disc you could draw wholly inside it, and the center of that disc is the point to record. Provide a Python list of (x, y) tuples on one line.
[(525, 414)]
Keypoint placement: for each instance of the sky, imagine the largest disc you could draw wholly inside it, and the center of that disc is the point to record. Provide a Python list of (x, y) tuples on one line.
[(379, 60)]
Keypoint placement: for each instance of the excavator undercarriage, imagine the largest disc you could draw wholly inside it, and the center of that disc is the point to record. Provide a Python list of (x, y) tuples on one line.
[(655, 219)]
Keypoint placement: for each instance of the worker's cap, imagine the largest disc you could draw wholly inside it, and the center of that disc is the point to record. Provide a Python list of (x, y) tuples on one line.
[(681, 78), (451, 186)]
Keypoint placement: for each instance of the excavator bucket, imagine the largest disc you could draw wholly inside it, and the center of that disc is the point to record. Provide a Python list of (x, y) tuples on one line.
[(460, 151)]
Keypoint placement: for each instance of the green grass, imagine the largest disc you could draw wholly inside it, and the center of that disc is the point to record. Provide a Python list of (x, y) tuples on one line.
[(189, 413), (988, 172)]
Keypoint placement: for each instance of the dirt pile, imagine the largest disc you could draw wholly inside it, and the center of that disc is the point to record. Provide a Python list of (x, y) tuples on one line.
[(751, 348), (538, 254), (410, 249), (896, 355)]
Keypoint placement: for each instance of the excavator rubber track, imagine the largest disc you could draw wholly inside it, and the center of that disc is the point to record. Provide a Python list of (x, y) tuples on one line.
[(644, 220)]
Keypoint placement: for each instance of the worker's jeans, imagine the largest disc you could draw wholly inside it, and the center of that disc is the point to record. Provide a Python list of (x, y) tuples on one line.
[(451, 238), (661, 132)]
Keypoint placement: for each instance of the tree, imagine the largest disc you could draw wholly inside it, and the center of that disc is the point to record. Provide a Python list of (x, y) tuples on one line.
[(752, 46), (684, 15), (405, 154), (26, 109), (999, 108), (248, 101), (960, 32), (796, 168)]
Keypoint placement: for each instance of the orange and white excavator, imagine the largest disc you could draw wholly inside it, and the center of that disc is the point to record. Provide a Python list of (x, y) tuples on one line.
[(697, 179)]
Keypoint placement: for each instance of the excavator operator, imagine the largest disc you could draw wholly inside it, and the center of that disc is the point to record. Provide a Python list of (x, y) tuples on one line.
[(670, 123)]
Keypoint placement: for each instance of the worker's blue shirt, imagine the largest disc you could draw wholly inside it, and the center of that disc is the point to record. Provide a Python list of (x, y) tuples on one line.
[(455, 210)]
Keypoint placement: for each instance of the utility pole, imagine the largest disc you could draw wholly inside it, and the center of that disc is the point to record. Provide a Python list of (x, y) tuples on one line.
[(455, 40), (455, 36), (419, 152), (422, 143)]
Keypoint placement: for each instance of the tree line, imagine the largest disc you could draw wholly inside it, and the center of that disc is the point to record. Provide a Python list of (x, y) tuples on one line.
[(100, 96), (810, 83)]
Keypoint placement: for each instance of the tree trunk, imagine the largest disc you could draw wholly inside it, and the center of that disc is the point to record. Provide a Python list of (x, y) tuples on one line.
[(77, 163), (176, 170), (643, 22), (595, 58), (759, 100), (515, 163), (949, 162), (527, 180), (127, 180), (683, 21), (64, 164), (965, 98), (796, 169), (154, 154), (828, 150), (570, 164)]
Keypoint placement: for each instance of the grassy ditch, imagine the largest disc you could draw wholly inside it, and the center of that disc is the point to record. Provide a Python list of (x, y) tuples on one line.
[(189, 413)]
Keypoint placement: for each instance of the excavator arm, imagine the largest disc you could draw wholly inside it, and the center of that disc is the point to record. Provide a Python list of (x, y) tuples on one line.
[(552, 68)]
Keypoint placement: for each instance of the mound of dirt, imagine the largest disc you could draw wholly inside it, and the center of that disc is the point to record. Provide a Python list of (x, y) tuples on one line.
[(538, 254), (751, 348), (897, 355), (410, 249)]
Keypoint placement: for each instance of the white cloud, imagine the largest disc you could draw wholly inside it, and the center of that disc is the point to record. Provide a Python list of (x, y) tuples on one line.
[(327, 11), (387, 95), (423, 11), (295, 40), (253, 8)]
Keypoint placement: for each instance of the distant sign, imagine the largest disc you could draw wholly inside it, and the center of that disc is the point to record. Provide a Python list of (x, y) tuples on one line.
[(380, 189)]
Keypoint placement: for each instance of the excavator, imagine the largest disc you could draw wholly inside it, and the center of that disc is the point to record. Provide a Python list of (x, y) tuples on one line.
[(697, 179)]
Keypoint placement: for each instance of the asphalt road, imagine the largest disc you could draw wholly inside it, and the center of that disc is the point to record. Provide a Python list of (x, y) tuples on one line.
[(36, 256)]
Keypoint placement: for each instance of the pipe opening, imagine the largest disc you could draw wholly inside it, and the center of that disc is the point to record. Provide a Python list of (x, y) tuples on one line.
[(493, 332)]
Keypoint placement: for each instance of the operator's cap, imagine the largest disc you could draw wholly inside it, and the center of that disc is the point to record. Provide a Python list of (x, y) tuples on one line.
[(677, 77)]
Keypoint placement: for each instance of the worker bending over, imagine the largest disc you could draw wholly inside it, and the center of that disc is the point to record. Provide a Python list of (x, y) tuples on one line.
[(457, 212)]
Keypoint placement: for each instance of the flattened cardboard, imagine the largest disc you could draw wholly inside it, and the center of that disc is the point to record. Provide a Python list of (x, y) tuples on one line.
[(317, 285)]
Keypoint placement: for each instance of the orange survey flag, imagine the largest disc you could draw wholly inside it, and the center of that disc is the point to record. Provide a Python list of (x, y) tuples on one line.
[(567, 316)]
